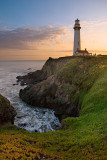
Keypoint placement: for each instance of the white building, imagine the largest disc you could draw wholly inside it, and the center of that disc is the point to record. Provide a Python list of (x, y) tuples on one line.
[(77, 42)]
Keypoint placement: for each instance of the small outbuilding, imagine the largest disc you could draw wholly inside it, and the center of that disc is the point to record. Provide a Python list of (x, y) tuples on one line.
[(82, 53)]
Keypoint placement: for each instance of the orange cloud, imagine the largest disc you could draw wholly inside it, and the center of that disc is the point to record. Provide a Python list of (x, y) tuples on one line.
[(30, 37), (48, 41)]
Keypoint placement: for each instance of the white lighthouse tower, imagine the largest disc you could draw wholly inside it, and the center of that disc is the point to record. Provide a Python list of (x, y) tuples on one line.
[(77, 43)]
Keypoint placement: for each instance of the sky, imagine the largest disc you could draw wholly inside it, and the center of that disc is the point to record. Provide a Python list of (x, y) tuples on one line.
[(39, 29)]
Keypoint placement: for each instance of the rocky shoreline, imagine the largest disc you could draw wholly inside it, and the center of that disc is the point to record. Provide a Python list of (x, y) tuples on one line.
[(45, 90), (7, 112), (50, 67), (81, 82), (59, 85)]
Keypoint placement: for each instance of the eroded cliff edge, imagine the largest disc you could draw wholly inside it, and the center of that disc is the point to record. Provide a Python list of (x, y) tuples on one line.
[(62, 84), (50, 67)]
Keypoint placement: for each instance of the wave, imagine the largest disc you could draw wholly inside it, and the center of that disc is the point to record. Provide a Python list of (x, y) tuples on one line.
[(31, 118)]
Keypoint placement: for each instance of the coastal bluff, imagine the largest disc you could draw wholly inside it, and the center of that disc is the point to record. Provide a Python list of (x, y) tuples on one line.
[(7, 112), (83, 80), (62, 84), (50, 67)]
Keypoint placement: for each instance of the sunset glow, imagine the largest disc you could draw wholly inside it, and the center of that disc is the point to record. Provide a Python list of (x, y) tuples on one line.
[(50, 34)]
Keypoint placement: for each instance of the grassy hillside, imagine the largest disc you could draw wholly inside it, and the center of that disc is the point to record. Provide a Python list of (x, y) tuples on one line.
[(81, 137)]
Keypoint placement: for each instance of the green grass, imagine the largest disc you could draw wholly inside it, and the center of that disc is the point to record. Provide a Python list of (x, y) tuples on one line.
[(81, 137)]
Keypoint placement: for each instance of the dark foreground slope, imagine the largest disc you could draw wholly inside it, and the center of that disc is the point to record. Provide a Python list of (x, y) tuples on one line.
[(82, 137), (7, 112), (64, 89)]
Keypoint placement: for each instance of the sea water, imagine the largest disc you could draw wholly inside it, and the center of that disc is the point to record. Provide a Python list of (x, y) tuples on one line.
[(33, 119)]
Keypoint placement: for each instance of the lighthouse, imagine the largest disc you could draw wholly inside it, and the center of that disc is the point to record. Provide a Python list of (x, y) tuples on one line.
[(77, 42)]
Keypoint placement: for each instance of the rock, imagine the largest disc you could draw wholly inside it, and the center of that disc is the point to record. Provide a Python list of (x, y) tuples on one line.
[(49, 94), (7, 112), (49, 68), (15, 84), (48, 91), (61, 84)]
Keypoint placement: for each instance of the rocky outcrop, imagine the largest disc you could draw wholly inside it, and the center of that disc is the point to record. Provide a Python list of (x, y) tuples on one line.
[(50, 67), (49, 91), (7, 112), (66, 81), (50, 94)]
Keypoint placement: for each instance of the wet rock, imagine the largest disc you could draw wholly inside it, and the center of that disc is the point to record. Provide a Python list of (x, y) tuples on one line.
[(22, 125), (48, 94), (15, 84), (7, 112), (47, 91), (36, 130)]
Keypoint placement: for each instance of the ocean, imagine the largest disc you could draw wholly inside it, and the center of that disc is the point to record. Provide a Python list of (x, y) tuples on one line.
[(31, 118)]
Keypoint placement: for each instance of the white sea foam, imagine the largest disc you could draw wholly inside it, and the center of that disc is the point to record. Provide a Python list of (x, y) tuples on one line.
[(28, 117)]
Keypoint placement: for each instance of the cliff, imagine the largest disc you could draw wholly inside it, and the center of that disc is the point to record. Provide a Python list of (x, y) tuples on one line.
[(63, 85), (7, 112), (83, 137), (50, 67)]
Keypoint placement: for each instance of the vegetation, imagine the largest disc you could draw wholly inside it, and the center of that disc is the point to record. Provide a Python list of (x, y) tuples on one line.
[(0, 100), (81, 137)]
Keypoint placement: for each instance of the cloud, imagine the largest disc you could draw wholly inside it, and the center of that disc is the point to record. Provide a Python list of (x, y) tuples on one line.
[(93, 25), (30, 37), (55, 38)]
